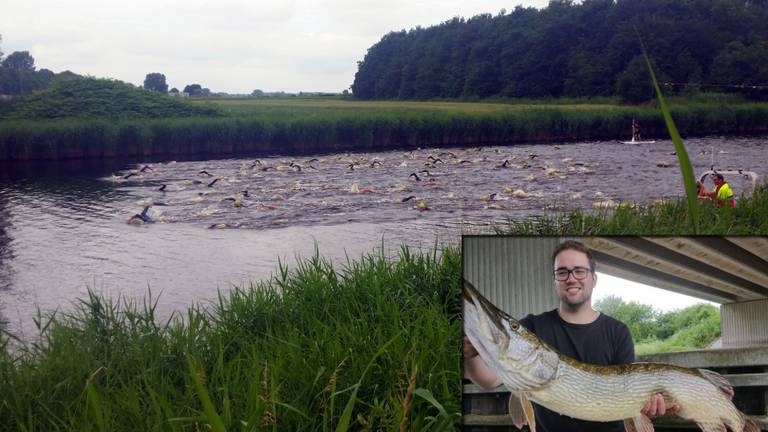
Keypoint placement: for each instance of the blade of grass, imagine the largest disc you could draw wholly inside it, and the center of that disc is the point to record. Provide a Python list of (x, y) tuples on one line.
[(686, 169), (210, 412)]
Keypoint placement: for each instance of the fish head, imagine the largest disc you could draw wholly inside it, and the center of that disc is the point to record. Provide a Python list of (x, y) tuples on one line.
[(518, 358)]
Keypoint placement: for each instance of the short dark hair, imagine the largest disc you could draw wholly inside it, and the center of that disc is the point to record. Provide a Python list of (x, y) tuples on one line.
[(718, 176), (577, 246)]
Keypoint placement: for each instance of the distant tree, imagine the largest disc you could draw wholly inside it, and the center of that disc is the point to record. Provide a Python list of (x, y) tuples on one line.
[(742, 65), (174, 90), (640, 318), (193, 89), (20, 61), (156, 82), (634, 84), (257, 93), (1, 51)]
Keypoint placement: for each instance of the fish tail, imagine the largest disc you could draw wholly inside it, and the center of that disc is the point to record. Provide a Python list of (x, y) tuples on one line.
[(750, 425)]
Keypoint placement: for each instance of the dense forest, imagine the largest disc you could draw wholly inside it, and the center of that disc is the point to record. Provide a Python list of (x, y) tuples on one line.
[(576, 49)]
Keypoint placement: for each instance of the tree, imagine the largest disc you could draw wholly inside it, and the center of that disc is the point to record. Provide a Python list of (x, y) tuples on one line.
[(1, 51), (193, 89), (20, 61), (156, 82), (257, 93)]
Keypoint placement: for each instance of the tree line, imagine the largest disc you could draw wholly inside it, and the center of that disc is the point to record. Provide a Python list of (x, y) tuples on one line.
[(695, 326), (575, 49)]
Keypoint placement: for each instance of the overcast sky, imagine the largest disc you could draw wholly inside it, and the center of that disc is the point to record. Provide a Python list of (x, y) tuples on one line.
[(660, 299), (229, 45)]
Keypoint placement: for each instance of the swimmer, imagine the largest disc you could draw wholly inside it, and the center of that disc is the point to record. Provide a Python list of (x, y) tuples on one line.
[(205, 173), (408, 198), (254, 164), (245, 193), (451, 154), (375, 164), (214, 181), (143, 216), (146, 168), (269, 168), (129, 175), (351, 166), (504, 165), (415, 176), (464, 162), (162, 188), (295, 166), (428, 174), (219, 226)]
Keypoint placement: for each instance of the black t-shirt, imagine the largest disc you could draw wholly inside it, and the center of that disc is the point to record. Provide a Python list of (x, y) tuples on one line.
[(606, 341)]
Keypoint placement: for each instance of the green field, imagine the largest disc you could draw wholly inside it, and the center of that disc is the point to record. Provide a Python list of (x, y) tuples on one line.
[(320, 104), (81, 119)]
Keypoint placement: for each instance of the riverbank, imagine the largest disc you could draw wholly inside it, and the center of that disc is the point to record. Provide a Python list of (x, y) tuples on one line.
[(672, 217), (321, 126), (374, 346)]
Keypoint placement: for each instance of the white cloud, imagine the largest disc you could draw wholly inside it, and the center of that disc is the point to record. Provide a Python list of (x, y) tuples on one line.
[(231, 45)]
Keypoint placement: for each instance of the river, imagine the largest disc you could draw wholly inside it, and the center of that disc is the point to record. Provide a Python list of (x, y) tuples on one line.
[(63, 225)]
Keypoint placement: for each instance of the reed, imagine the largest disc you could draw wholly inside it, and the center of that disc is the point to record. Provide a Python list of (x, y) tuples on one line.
[(343, 126), (314, 348)]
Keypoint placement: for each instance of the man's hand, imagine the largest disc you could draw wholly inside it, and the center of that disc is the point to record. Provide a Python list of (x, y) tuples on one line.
[(467, 349), (657, 407)]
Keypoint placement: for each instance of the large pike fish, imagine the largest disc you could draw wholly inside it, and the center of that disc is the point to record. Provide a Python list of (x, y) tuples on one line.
[(534, 371)]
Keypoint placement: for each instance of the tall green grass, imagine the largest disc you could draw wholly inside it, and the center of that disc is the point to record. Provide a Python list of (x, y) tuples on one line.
[(292, 130), (371, 346), (750, 217)]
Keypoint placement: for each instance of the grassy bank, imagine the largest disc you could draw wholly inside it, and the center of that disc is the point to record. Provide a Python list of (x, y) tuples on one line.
[(371, 347), (295, 126), (750, 217)]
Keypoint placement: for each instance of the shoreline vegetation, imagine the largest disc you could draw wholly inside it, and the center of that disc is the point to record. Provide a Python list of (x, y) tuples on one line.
[(321, 125), (749, 217), (371, 346)]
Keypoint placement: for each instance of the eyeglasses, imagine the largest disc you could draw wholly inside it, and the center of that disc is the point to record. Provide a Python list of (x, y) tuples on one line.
[(579, 273)]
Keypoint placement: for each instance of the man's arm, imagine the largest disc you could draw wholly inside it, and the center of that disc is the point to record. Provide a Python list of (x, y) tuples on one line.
[(475, 368)]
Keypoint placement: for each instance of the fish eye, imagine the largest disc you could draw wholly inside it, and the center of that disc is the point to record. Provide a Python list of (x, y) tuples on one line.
[(514, 325)]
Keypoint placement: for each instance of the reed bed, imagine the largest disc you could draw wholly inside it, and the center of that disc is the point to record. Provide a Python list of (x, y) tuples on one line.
[(749, 217), (297, 129), (373, 346)]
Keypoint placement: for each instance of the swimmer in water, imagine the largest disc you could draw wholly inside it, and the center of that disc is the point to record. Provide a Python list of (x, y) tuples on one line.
[(254, 164), (162, 188), (205, 173), (213, 182), (415, 176), (129, 175), (504, 165), (146, 168), (143, 216)]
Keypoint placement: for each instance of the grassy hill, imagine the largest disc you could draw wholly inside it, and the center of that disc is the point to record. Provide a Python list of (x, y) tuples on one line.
[(101, 98)]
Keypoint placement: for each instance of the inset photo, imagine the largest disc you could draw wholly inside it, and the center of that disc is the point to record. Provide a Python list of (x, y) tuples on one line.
[(615, 333)]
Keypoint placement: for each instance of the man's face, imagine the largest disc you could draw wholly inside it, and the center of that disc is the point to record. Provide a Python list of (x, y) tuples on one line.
[(572, 291), (717, 181)]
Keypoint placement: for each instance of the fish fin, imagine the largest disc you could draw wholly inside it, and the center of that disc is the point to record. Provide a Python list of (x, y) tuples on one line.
[(515, 405), (528, 410), (721, 383), (629, 425), (750, 425), (642, 423), (712, 427)]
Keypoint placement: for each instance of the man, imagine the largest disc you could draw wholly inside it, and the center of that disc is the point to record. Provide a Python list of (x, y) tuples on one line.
[(576, 330), (722, 193)]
